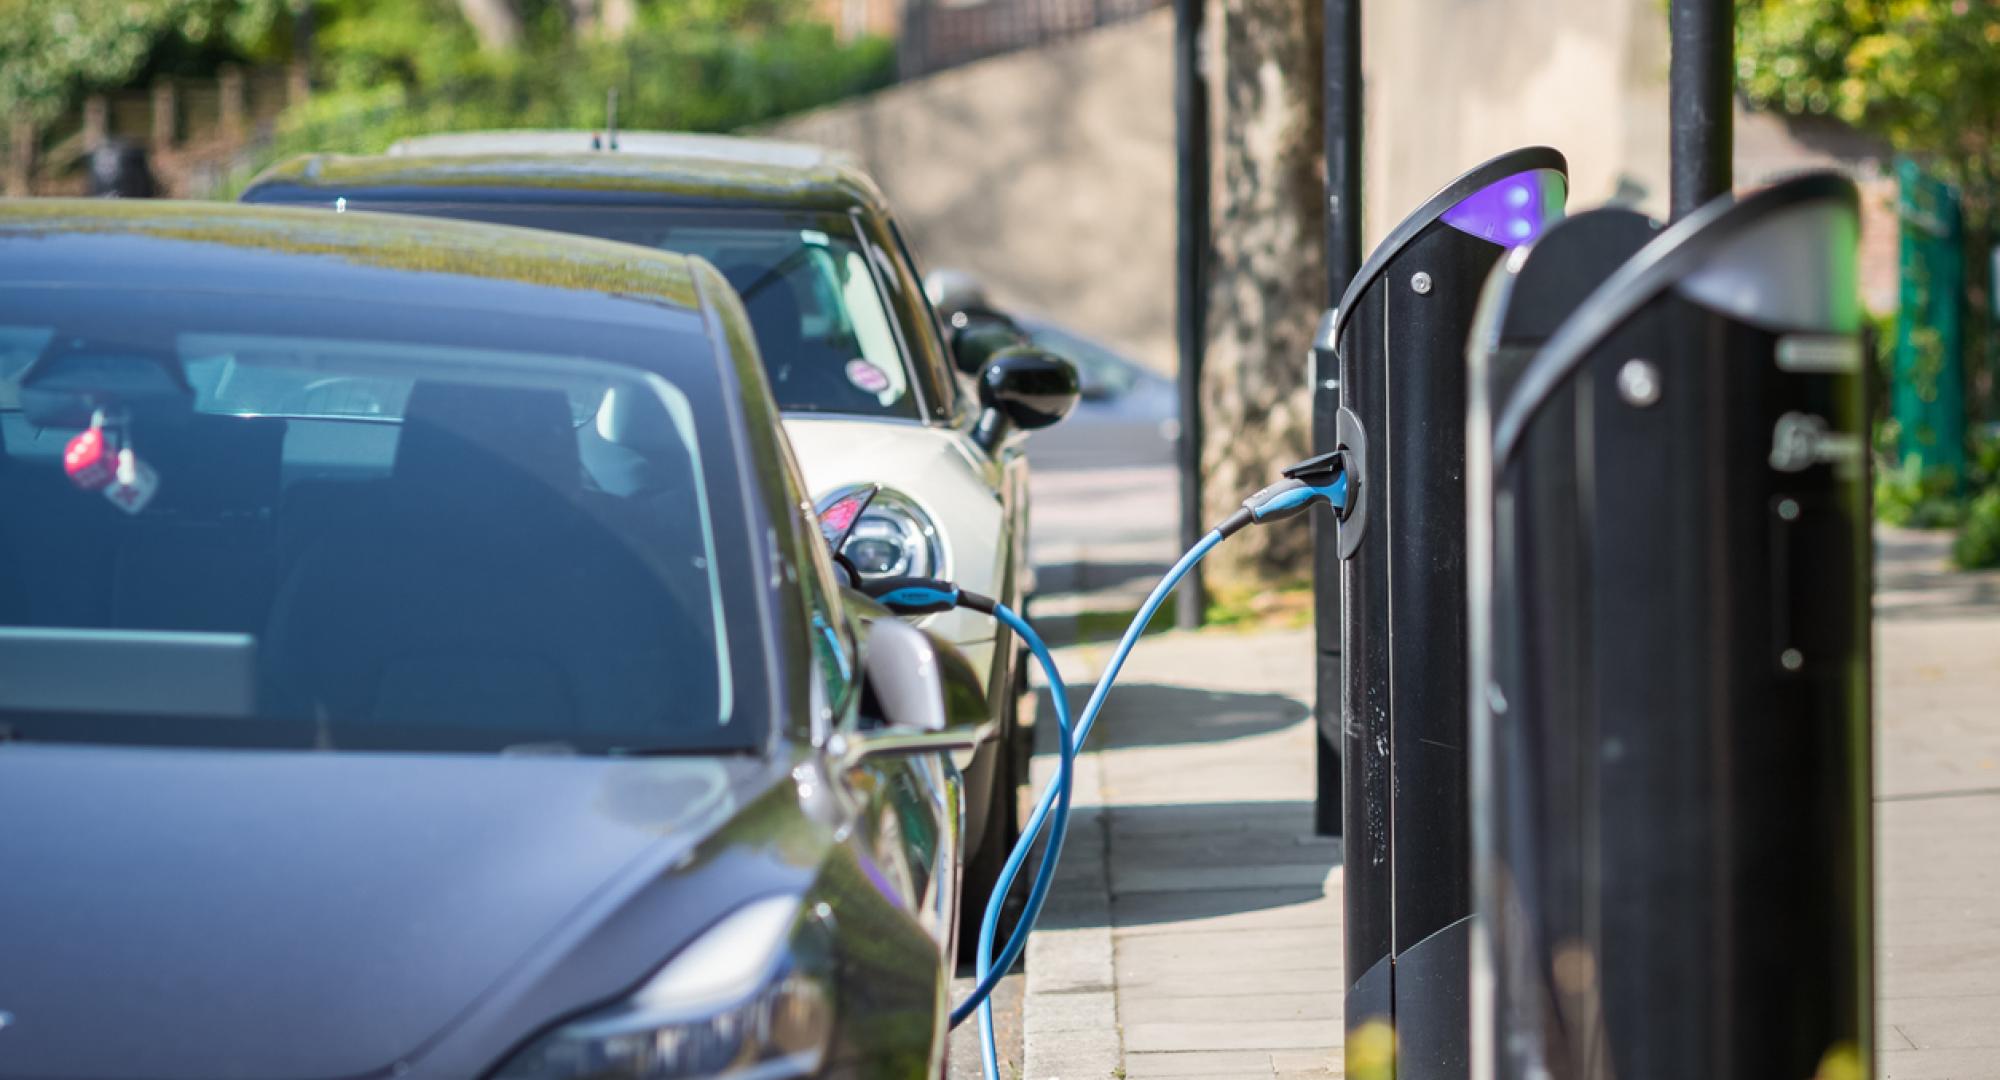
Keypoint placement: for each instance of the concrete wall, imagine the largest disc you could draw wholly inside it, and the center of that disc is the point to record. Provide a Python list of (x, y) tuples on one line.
[(1050, 173), (1453, 82)]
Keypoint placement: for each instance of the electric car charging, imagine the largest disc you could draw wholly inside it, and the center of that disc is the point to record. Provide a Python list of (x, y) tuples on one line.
[(565, 604), (1323, 480)]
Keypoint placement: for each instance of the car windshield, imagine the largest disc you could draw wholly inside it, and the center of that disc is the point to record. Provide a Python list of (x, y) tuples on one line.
[(822, 326), (242, 521)]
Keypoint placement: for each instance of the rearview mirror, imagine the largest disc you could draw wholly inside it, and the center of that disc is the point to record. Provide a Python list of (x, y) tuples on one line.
[(1023, 388)]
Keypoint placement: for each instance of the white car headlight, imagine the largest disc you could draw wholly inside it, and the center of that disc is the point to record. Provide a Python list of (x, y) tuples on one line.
[(892, 538), (737, 1004)]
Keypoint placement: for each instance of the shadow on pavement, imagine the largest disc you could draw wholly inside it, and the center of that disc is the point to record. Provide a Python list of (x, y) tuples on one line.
[(1914, 579), (1062, 578), (1150, 714), (1185, 862)]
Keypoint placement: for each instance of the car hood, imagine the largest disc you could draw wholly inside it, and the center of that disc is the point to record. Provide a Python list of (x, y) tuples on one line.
[(944, 473), (222, 914)]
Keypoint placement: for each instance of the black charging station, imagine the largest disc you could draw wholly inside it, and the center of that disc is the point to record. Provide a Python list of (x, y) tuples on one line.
[(1671, 669), (1400, 334)]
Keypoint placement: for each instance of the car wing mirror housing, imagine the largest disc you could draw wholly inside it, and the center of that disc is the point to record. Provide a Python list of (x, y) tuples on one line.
[(978, 336), (1023, 389), (922, 695)]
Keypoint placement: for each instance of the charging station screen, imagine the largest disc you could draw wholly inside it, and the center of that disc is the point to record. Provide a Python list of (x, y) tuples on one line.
[(1513, 211)]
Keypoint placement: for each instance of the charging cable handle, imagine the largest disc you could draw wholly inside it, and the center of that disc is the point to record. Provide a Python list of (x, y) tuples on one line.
[(919, 596), (1321, 479)]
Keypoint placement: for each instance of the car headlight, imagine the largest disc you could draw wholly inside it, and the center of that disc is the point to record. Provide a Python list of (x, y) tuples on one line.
[(893, 537), (745, 1002)]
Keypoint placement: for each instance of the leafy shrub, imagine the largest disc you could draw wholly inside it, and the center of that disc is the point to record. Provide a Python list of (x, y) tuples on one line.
[(1978, 542), (710, 77), (1982, 465), (1910, 496)]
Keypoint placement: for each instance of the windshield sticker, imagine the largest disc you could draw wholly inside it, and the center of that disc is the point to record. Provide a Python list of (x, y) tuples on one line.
[(866, 376)]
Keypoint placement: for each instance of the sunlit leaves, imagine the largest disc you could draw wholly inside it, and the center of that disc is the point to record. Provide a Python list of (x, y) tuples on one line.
[(52, 50), (1925, 74)]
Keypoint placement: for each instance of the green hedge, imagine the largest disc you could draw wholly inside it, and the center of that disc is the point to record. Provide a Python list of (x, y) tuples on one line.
[(679, 78)]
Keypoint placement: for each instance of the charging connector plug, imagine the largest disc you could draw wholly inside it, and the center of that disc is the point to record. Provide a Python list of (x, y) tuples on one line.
[(1314, 480), (923, 596)]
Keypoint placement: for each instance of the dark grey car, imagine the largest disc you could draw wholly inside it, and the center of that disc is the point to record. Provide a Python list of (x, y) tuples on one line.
[(417, 659)]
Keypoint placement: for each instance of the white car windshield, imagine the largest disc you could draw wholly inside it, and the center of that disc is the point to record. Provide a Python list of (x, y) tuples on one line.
[(814, 300)]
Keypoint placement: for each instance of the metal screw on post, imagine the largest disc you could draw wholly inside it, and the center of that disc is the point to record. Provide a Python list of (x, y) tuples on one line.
[(1420, 283), (1639, 383)]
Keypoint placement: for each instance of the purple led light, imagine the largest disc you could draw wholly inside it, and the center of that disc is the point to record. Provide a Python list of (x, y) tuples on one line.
[(1513, 211)]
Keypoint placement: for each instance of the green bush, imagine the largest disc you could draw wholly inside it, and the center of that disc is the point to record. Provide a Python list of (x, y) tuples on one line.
[(420, 71), (1982, 465), (1978, 543), (1914, 498)]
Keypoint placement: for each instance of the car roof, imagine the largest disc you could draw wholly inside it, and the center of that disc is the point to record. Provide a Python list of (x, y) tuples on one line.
[(782, 153), (648, 168), (357, 257)]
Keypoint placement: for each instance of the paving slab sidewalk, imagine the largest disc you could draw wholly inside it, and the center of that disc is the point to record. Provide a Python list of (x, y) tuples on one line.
[(1195, 930)]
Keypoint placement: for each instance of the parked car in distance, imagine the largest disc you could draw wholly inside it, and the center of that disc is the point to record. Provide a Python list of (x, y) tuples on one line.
[(1129, 414), (868, 381), (418, 658)]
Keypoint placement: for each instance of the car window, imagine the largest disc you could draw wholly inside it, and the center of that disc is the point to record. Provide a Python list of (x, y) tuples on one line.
[(327, 535), (934, 348), (823, 327)]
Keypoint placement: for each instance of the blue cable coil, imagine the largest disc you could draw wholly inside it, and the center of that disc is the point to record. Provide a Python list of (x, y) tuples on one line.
[(1054, 802), (1285, 499)]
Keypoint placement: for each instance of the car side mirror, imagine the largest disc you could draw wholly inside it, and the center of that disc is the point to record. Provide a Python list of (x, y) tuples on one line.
[(978, 336), (1023, 388), (925, 695)]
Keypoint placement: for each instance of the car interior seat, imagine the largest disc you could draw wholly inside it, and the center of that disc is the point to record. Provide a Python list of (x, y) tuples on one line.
[(484, 593), (202, 555), (805, 374)]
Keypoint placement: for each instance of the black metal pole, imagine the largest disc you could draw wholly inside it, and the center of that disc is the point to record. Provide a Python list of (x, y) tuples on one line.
[(1343, 145), (1191, 300), (1701, 102), (1342, 74)]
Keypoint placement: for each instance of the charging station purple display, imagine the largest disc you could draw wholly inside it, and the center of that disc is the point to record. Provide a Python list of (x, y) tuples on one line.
[(1670, 624), (1399, 335)]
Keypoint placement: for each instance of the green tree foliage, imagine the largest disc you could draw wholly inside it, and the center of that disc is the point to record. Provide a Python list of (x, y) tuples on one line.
[(388, 68), (53, 50), (1925, 74), (391, 68)]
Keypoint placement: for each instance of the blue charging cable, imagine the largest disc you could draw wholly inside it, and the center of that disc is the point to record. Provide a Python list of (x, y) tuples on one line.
[(1313, 481)]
